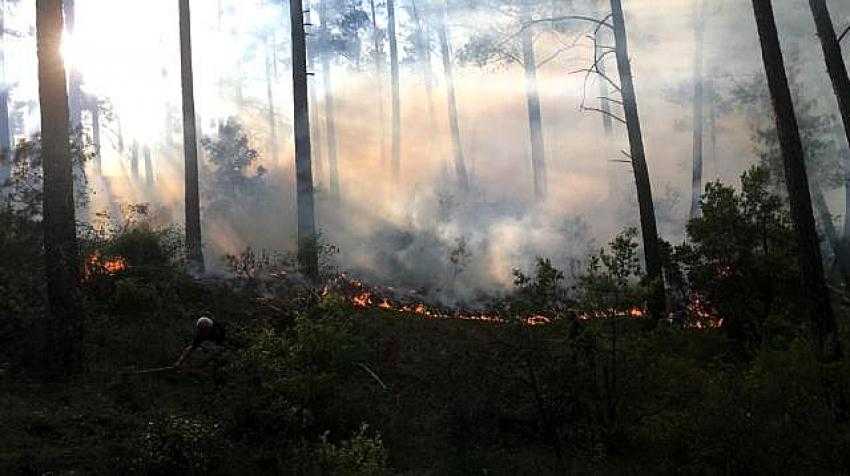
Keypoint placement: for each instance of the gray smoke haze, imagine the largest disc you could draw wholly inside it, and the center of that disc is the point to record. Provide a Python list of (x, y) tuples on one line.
[(421, 232)]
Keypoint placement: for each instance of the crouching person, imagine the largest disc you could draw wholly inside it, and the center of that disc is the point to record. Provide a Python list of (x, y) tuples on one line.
[(207, 331)]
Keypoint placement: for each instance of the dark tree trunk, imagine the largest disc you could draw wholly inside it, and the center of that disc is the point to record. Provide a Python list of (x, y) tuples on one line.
[(64, 330), (148, 167), (699, 96), (307, 246), (814, 287), (194, 249), (454, 124), (832, 237), (649, 231), (535, 116), (379, 82), (837, 70), (394, 73), (75, 95), (330, 118)]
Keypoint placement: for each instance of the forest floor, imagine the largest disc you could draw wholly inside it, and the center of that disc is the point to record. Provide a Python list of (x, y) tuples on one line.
[(310, 383)]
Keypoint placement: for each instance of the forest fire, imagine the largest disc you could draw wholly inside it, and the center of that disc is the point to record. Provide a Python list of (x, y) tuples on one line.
[(96, 264)]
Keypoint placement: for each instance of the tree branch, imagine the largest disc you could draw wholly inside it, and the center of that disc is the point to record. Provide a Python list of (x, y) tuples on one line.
[(843, 34), (606, 113)]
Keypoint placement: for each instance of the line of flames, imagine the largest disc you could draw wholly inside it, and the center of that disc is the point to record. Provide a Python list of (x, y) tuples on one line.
[(363, 297)]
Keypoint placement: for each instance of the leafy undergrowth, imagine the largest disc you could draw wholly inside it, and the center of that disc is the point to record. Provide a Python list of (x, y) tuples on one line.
[(309, 383)]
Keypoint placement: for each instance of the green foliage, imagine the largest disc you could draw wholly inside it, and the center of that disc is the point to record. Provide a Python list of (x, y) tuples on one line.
[(178, 444), (740, 262), (611, 283), (541, 293), (362, 455)]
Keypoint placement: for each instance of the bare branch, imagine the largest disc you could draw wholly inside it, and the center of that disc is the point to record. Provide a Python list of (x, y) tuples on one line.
[(605, 113), (843, 34), (604, 98)]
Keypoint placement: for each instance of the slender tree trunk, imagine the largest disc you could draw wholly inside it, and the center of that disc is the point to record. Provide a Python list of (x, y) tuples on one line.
[(75, 95), (64, 331), (307, 246), (95, 126), (454, 124), (832, 237), (394, 73), (5, 129), (535, 116), (649, 231), (379, 82), (837, 70), (814, 287), (330, 119), (194, 249), (699, 95), (148, 167), (134, 162), (423, 49), (604, 101), (273, 149)]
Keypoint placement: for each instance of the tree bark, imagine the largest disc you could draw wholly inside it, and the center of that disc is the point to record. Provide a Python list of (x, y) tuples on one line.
[(423, 49), (699, 96), (454, 124), (330, 118), (307, 246), (535, 116), (194, 249), (75, 95), (832, 237), (814, 288), (64, 329), (837, 70), (652, 254), (394, 73)]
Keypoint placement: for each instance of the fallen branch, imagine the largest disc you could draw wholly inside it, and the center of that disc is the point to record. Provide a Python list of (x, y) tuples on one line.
[(374, 375)]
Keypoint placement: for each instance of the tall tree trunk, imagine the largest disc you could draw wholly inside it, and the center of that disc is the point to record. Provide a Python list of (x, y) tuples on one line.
[(134, 161), (75, 95), (307, 246), (837, 70), (649, 230), (148, 167), (423, 50), (394, 73), (273, 149), (832, 237), (535, 116), (330, 119), (64, 330), (699, 96), (454, 125), (5, 128), (194, 247), (95, 127), (814, 287), (604, 100), (379, 82)]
